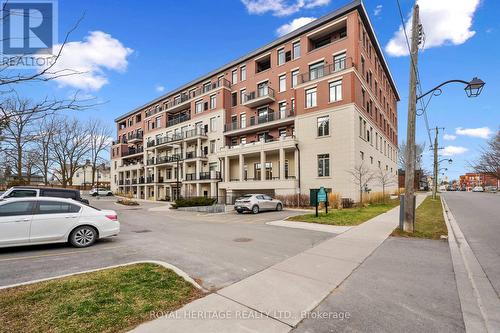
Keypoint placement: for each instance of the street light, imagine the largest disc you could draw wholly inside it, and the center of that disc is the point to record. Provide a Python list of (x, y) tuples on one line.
[(472, 88)]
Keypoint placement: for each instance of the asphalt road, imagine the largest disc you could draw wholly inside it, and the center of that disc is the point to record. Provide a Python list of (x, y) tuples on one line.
[(478, 216), (216, 249)]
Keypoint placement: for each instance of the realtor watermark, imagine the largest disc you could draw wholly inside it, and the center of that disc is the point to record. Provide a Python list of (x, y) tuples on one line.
[(28, 32), (249, 315)]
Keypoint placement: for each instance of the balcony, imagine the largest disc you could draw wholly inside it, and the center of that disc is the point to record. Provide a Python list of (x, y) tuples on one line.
[(210, 175), (195, 154), (285, 142), (194, 134), (177, 120), (164, 140), (263, 95), (133, 151), (269, 119), (136, 137), (325, 70), (167, 159), (182, 101)]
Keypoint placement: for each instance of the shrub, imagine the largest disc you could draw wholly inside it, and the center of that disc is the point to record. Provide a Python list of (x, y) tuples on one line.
[(193, 202), (293, 200)]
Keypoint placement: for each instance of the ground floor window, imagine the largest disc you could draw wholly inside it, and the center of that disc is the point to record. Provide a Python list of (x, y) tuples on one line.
[(323, 165)]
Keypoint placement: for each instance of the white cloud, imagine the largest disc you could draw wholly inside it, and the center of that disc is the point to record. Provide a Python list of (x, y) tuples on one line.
[(159, 88), (444, 22), (97, 53), (378, 10), (480, 132), (453, 150), (449, 137), (295, 24), (281, 7)]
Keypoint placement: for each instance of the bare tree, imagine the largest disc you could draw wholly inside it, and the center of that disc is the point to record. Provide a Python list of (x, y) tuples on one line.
[(419, 150), (362, 175), (43, 143), (70, 147), (489, 161), (385, 178), (99, 142)]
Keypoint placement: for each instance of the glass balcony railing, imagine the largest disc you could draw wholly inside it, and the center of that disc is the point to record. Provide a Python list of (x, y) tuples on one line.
[(264, 117)]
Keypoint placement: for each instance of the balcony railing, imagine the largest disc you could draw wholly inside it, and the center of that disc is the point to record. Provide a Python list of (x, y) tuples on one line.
[(135, 136), (150, 179), (327, 69), (141, 180), (271, 115), (178, 120), (264, 94), (195, 93), (132, 151), (195, 154), (167, 159), (203, 176), (199, 131)]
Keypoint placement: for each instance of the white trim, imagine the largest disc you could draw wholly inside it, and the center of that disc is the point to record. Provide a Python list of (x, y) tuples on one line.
[(327, 26), (262, 56), (262, 81), (340, 52), (315, 61)]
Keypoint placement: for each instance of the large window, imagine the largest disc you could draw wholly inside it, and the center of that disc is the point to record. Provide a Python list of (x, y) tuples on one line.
[(324, 165), (296, 50), (198, 107), (316, 70), (234, 99), (281, 56), (243, 95), (335, 91), (339, 62), (295, 76), (213, 124), (282, 83), (243, 120), (158, 122), (234, 76), (282, 110), (323, 126), (243, 73), (213, 102), (311, 98)]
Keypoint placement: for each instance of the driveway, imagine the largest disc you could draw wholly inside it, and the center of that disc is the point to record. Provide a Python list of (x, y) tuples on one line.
[(478, 216), (215, 249)]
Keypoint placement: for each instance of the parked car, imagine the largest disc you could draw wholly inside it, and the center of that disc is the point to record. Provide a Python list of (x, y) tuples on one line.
[(492, 189), (41, 220), (26, 191), (100, 191), (256, 203), (478, 189)]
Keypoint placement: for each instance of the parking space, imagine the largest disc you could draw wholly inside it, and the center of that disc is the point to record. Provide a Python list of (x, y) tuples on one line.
[(216, 249)]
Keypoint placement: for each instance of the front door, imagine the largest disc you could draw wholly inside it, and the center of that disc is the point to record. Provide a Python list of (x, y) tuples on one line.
[(52, 220), (15, 219)]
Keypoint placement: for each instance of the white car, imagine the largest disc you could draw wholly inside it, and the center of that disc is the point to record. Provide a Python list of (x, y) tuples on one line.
[(100, 191), (41, 220), (256, 202), (478, 189)]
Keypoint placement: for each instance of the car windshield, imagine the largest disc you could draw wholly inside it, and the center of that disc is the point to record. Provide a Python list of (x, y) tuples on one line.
[(245, 196)]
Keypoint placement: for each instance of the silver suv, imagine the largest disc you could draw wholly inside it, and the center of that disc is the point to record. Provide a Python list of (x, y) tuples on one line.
[(256, 202)]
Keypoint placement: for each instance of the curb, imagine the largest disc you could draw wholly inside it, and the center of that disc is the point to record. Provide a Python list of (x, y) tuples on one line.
[(479, 302), (177, 270)]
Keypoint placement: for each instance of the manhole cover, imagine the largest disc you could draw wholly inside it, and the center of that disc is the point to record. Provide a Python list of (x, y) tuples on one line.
[(141, 231), (242, 240)]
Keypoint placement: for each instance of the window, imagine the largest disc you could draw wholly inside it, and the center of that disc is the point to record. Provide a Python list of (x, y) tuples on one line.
[(243, 120), (324, 165), (362, 66), (234, 99), (17, 208), (323, 126), (207, 86), (54, 207), (212, 146), (316, 70), (282, 110), (362, 155), (213, 124), (198, 107), (243, 73), (234, 76), (281, 56), (339, 62), (282, 83), (158, 122), (371, 159), (311, 98), (335, 91), (243, 95), (213, 102), (296, 50), (243, 140), (263, 64), (295, 76), (22, 193)]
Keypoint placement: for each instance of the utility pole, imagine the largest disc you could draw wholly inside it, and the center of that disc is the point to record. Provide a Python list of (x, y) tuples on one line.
[(409, 203), (436, 162)]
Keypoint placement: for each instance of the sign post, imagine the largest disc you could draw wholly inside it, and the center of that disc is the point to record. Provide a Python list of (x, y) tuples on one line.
[(321, 197)]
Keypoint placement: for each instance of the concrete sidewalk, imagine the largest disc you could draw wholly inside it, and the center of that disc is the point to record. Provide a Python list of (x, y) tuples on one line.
[(279, 297)]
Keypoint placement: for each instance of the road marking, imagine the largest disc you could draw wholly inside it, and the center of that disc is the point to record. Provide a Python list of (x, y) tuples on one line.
[(61, 253)]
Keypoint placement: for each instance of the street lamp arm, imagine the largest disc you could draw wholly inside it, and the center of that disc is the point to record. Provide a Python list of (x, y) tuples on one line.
[(439, 86)]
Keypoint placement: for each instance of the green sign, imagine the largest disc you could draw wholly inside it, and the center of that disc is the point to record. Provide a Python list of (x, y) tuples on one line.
[(321, 194)]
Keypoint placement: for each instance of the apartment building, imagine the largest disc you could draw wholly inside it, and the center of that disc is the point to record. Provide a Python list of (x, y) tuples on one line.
[(298, 113)]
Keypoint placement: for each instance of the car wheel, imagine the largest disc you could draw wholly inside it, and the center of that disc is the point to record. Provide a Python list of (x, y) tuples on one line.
[(255, 209), (240, 211), (95, 194), (83, 236), (279, 207), (109, 194)]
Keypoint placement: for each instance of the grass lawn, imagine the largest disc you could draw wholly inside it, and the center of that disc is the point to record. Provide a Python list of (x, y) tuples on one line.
[(112, 300), (429, 221), (348, 216)]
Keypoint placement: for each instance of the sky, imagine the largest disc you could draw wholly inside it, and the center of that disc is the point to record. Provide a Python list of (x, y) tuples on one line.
[(134, 51)]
